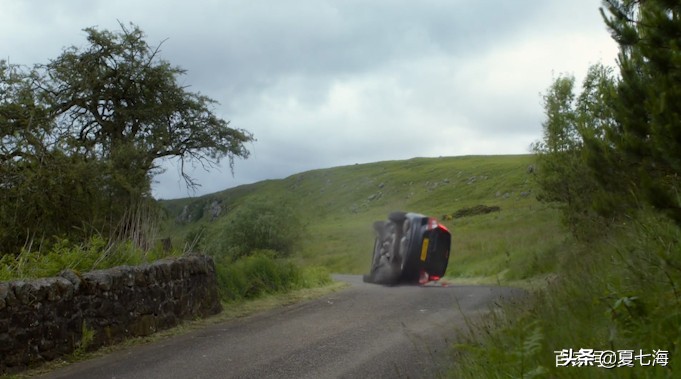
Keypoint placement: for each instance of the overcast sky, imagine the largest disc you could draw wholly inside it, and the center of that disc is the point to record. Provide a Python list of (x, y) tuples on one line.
[(324, 83)]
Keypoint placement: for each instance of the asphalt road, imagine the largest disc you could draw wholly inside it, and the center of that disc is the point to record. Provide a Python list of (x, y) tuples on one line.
[(363, 331)]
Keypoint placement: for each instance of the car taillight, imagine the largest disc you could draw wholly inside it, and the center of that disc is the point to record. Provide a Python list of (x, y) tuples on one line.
[(434, 224)]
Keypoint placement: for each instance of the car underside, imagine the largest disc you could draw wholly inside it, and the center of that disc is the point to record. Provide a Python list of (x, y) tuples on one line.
[(409, 248)]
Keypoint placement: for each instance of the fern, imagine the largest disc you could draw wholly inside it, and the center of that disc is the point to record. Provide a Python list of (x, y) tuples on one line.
[(511, 351), (531, 337)]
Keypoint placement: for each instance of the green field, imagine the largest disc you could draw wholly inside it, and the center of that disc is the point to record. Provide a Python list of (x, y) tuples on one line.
[(338, 206)]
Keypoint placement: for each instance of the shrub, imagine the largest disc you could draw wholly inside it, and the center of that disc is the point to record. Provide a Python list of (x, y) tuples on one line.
[(256, 225)]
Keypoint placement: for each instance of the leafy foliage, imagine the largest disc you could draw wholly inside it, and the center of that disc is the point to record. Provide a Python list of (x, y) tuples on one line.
[(257, 225), (612, 156), (564, 174), (82, 137), (117, 100), (644, 145)]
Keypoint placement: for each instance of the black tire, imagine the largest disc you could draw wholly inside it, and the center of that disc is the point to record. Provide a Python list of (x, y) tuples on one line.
[(397, 217), (377, 255)]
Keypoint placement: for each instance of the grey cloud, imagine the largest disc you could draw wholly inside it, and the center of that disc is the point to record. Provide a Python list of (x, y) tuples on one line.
[(326, 83), (248, 48)]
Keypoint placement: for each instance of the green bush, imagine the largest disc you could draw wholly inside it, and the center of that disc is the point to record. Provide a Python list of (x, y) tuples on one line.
[(263, 273), (256, 225)]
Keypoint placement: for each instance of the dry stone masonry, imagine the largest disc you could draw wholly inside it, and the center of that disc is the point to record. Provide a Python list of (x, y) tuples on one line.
[(43, 319)]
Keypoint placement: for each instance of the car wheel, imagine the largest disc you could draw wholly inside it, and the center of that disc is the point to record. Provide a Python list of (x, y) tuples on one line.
[(397, 217)]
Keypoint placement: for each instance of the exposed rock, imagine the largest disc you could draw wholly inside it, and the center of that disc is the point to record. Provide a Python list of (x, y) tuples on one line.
[(215, 209), (72, 277), (375, 196), (184, 216)]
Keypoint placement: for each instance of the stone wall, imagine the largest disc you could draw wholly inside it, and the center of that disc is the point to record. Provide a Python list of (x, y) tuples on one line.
[(43, 319)]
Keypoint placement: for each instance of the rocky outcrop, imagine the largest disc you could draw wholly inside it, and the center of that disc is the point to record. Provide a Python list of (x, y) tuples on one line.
[(198, 209), (43, 319), (215, 209)]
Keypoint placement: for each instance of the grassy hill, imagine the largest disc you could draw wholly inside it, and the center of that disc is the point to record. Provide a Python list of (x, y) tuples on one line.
[(338, 206)]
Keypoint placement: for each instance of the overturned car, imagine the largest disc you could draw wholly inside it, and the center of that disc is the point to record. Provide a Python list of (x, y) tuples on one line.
[(409, 248)]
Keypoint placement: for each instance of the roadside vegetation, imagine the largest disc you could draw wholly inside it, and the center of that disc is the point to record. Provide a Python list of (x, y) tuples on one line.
[(610, 161), (82, 139)]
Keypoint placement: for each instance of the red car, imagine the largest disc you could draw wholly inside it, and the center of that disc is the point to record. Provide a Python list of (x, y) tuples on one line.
[(409, 248)]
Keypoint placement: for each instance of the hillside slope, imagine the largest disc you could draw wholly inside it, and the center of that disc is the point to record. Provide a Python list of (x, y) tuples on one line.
[(339, 205)]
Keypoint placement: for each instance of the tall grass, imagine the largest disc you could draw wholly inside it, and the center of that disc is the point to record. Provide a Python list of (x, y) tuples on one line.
[(517, 243), (132, 241), (262, 273), (93, 254), (619, 294)]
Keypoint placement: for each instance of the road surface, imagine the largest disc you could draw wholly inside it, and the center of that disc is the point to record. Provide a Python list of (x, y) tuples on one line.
[(363, 331)]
